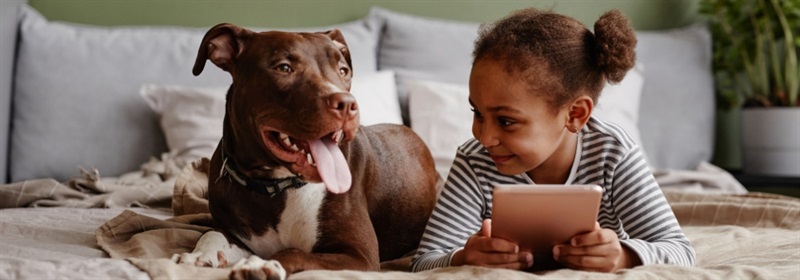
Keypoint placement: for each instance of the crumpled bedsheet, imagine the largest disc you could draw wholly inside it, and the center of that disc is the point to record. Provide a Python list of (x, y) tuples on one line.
[(128, 227)]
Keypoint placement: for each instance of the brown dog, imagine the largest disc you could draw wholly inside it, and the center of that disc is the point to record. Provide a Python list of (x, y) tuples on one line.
[(295, 179)]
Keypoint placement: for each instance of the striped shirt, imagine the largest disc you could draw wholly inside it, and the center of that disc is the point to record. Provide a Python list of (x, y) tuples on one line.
[(632, 203)]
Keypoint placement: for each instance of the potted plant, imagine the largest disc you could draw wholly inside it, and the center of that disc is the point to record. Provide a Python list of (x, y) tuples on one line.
[(755, 63)]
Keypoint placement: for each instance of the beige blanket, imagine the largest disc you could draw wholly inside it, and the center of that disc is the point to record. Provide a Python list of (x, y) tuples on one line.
[(149, 187), (735, 236)]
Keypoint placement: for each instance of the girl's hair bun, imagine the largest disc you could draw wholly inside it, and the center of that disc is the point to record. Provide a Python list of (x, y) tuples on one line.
[(616, 43)]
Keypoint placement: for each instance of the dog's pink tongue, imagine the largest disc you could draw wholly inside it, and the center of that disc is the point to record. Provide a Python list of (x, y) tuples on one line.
[(331, 165)]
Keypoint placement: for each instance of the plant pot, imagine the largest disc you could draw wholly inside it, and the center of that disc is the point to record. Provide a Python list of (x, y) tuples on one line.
[(728, 141), (771, 141)]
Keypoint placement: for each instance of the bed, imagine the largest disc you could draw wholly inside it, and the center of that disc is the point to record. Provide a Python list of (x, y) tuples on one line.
[(106, 123)]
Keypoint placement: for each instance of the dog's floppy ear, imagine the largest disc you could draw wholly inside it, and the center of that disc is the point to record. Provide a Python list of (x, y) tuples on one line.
[(221, 44), (338, 39)]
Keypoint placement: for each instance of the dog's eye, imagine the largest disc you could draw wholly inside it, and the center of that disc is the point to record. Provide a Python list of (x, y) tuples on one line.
[(344, 71), (285, 68)]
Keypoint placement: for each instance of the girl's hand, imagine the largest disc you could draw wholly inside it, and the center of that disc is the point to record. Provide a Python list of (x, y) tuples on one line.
[(483, 250), (598, 250)]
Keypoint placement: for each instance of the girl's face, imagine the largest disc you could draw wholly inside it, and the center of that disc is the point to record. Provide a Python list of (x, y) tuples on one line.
[(519, 127)]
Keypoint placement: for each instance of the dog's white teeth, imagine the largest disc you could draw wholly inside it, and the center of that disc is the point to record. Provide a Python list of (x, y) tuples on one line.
[(284, 136), (294, 148), (310, 159), (287, 142), (337, 136)]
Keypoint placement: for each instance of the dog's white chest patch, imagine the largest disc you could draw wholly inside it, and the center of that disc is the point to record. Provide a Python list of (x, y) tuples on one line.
[(298, 227)]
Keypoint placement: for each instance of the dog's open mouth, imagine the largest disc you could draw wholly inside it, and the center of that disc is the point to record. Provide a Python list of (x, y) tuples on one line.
[(291, 145), (322, 155)]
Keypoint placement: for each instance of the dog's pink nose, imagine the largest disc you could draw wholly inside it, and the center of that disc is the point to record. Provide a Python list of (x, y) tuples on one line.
[(343, 104)]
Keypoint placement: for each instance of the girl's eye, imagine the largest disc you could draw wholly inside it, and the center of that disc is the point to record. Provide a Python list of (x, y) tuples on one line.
[(503, 122), (285, 68), (344, 71)]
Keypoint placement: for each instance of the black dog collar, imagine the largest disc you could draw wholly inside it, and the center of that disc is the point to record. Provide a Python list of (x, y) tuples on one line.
[(269, 187)]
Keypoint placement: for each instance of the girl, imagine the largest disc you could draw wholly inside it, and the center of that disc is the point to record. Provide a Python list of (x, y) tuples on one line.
[(535, 79)]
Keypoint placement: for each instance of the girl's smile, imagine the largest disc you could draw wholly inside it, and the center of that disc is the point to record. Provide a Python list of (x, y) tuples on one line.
[(498, 160)]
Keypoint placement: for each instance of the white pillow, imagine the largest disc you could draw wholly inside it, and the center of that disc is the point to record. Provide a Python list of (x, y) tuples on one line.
[(191, 117), (439, 113), (619, 103), (376, 94)]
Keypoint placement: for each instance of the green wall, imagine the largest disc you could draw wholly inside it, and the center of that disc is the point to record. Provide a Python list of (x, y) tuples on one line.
[(645, 14)]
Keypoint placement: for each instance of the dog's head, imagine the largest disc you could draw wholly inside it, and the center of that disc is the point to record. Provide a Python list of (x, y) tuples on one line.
[(290, 95)]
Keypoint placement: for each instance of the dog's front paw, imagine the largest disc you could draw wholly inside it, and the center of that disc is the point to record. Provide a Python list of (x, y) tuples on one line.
[(257, 268), (202, 259)]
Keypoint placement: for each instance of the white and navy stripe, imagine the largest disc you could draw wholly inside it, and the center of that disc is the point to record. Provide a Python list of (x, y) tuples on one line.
[(606, 156)]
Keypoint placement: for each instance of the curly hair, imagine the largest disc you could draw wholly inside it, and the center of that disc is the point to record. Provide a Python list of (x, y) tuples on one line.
[(575, 60)]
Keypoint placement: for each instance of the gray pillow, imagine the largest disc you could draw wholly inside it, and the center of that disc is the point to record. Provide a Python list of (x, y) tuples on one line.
[(676, 116), (423, 48), (76, 95)]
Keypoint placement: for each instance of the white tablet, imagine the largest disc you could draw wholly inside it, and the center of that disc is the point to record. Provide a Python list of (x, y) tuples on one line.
[(536, 217)]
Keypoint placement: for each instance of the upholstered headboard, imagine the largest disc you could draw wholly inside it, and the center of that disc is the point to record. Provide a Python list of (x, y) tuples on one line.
[(9, 18), (46, 111)]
